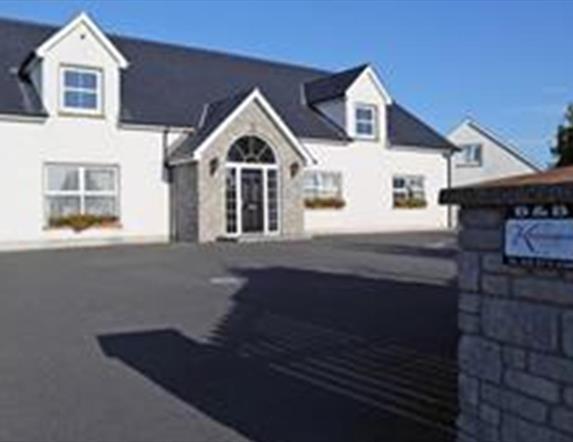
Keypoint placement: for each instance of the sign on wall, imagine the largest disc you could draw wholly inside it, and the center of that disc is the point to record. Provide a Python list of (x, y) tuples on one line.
[(539, 236)]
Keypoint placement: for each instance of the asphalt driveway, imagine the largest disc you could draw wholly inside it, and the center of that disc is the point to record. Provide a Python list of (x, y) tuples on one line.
[(335, 339)]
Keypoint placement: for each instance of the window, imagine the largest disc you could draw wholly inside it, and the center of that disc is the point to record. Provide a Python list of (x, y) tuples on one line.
[(408, 192), (365, 120), (252, 187), (231, 199), (81, 90), (322, 185), (272, 197), (251, 150), (81, 190), (471, 155)]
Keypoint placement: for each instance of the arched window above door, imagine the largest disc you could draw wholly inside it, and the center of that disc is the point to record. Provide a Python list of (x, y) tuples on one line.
[(251, 149)]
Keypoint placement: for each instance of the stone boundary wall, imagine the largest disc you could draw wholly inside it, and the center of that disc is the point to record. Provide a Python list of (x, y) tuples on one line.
[(516, 345)]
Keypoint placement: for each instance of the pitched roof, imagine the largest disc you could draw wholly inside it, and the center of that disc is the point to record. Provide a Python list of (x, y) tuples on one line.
[(169, 85), (220, 113), (331, 86), (504, 144), (405, 129), (213, 115)]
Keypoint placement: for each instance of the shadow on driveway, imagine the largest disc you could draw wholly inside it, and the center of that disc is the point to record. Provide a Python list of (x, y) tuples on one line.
[(309, 356)]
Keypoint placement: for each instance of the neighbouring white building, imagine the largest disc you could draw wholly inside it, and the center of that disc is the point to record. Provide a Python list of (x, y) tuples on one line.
[(484, 156), (117, 139)]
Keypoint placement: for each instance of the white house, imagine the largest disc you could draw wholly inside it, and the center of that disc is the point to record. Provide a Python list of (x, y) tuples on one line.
[(116, 139), (484, 155)]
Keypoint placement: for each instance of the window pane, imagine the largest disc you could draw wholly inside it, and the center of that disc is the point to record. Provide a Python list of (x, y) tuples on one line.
[(477, 153), (88, 100), (267, 156), (272, 187), (364, 113), (88, 80), (101, 205), (364, 128), (417, 183), (309, 180), (62, 206), (399, 183), (72, 78), (72, 99), (231, 200), (63, 178), (100, 179), (329, 181)]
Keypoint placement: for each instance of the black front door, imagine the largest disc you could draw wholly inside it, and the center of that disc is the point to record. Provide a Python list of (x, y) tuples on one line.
[(252, 197)]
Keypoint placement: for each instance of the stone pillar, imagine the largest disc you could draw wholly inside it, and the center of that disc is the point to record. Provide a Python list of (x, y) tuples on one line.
[(515, 351)]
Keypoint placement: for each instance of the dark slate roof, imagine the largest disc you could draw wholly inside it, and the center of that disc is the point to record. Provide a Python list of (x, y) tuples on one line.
[(170, 85), (332, 86), (213, 115), (405, 129), (17, 40)]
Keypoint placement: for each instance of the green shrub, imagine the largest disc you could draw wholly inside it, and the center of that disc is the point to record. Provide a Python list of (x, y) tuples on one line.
[(79, 223)]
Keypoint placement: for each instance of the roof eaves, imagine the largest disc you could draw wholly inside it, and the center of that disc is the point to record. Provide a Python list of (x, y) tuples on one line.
[(509, 147)]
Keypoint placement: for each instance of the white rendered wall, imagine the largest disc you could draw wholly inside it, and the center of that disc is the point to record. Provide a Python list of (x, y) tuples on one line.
[(144, 203), (497, 161), (365, 91), (368, 169), (144, 198)]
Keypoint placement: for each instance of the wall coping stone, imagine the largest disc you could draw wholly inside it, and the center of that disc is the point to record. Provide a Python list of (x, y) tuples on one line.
[(552, 187)]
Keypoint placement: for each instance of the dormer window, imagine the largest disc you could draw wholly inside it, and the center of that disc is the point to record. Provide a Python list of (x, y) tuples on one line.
[(365, 121), (81, 90)]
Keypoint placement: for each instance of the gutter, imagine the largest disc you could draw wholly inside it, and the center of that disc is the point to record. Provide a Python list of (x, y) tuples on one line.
[(21, 118)]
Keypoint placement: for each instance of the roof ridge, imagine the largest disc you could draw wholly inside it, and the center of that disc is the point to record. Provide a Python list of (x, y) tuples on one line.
[(219, 52), (27, 22), (329, 76), (174, 45)]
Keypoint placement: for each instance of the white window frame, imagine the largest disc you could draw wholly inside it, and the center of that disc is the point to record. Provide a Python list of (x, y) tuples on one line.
[(405, 190), (82, 193), (264, 168), (373, 122), (467, 156), (318, 189), (98, 110)]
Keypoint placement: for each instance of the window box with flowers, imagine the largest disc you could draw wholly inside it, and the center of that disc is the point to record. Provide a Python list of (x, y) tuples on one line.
[(409, 192), (79, 223), (324, 203), (80, 197), (323, 190)]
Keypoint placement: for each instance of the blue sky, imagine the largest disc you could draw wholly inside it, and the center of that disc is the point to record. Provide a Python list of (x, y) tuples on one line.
[(506, 63)]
